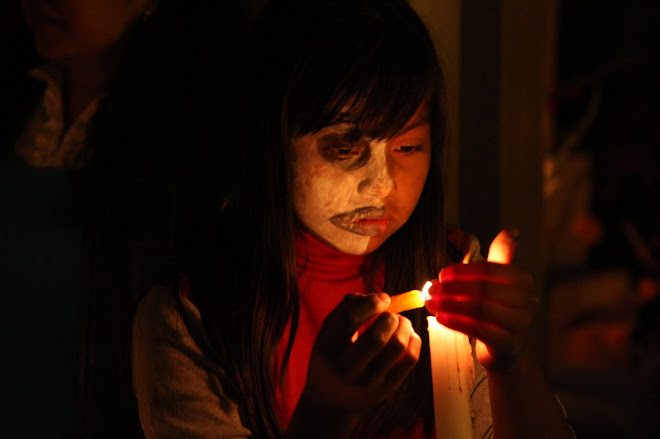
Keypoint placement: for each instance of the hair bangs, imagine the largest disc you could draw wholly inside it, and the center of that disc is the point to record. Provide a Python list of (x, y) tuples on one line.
[(372, 75)]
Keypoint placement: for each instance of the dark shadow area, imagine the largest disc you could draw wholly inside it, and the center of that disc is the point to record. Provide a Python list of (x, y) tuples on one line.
[(602, 192)]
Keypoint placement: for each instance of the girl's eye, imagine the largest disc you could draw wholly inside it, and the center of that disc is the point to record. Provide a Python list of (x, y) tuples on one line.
[(408, 149), (345, 152), (339, 152)]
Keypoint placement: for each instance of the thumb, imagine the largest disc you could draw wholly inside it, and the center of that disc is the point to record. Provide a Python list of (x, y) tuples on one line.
[(503, 247)]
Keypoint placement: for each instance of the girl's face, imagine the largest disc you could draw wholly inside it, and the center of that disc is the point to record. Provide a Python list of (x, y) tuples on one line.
[(354, 194), (66, 30)]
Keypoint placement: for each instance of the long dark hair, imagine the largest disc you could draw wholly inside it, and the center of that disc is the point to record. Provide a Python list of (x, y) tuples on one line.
[(155, 135), (153, 141), (308, 63)]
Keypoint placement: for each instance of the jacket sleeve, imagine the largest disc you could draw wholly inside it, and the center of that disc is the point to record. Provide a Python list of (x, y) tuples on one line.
[(179, 390)]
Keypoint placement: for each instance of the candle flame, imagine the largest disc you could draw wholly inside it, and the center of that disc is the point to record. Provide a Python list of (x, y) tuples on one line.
[(425, 291), (503, 247), (413, 299), (498, 253)]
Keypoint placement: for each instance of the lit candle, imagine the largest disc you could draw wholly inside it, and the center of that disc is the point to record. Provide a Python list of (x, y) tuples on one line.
[(452, 369), (452, 373), (452, 366), (411, 300)]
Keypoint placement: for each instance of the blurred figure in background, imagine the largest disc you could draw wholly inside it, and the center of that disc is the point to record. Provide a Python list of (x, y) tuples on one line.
[(603, 208), (109, 117)]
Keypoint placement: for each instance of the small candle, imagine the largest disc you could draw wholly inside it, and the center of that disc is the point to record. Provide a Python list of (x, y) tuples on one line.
[(452, 370), (406, 301), (411, 300)]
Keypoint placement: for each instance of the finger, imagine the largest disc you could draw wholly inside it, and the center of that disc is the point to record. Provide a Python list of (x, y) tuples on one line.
[(354, 360), (488, 271), (503, 247), (509, 295), (347, 317), (395, 376), (390, 353), (513, 319), (494, 336)]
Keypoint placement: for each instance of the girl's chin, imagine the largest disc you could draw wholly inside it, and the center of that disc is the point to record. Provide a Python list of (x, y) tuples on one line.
[(360, 247), (347, 241)]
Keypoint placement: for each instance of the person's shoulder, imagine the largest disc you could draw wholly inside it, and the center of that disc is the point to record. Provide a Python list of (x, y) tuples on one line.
[(159, 302), (165, 312), (180, 390), (163, 308)]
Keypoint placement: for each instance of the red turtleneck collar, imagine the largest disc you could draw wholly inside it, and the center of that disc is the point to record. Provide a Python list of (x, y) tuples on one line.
[(316, 258)]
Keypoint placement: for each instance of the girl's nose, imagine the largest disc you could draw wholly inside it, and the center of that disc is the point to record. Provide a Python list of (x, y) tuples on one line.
[(378, 180)]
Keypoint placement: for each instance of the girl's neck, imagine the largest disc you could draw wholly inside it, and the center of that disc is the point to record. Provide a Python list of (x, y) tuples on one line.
[(315, 258)]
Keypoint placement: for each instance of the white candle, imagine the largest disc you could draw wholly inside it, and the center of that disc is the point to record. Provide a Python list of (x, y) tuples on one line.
[(453, 372)]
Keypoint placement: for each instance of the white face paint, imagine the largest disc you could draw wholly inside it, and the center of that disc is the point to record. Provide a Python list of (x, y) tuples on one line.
[(354, 194)]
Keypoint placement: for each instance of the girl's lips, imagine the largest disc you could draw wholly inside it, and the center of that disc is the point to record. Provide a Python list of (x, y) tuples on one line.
[(371, 227), (365, 221)]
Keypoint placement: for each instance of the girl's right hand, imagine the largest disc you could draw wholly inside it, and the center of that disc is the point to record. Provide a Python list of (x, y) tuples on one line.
[(347, 378)]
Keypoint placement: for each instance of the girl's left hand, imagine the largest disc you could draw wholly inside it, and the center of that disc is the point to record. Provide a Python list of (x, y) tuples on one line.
[(493, 302)]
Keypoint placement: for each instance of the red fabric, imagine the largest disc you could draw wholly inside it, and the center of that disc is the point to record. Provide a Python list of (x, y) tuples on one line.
[(326, 276)]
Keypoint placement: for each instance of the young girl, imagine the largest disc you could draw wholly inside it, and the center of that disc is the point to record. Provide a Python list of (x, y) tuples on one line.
[(337, 198)]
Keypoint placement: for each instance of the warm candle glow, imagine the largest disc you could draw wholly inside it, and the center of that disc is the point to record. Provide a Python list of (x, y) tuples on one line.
[(452, 369), (411, 300), (425, 290), (503, 247), (498, 253)]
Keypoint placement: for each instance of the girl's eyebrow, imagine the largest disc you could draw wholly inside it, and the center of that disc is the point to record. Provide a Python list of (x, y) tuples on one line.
[(342, 119), (344, 128), (352, 133), (423, 120)]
